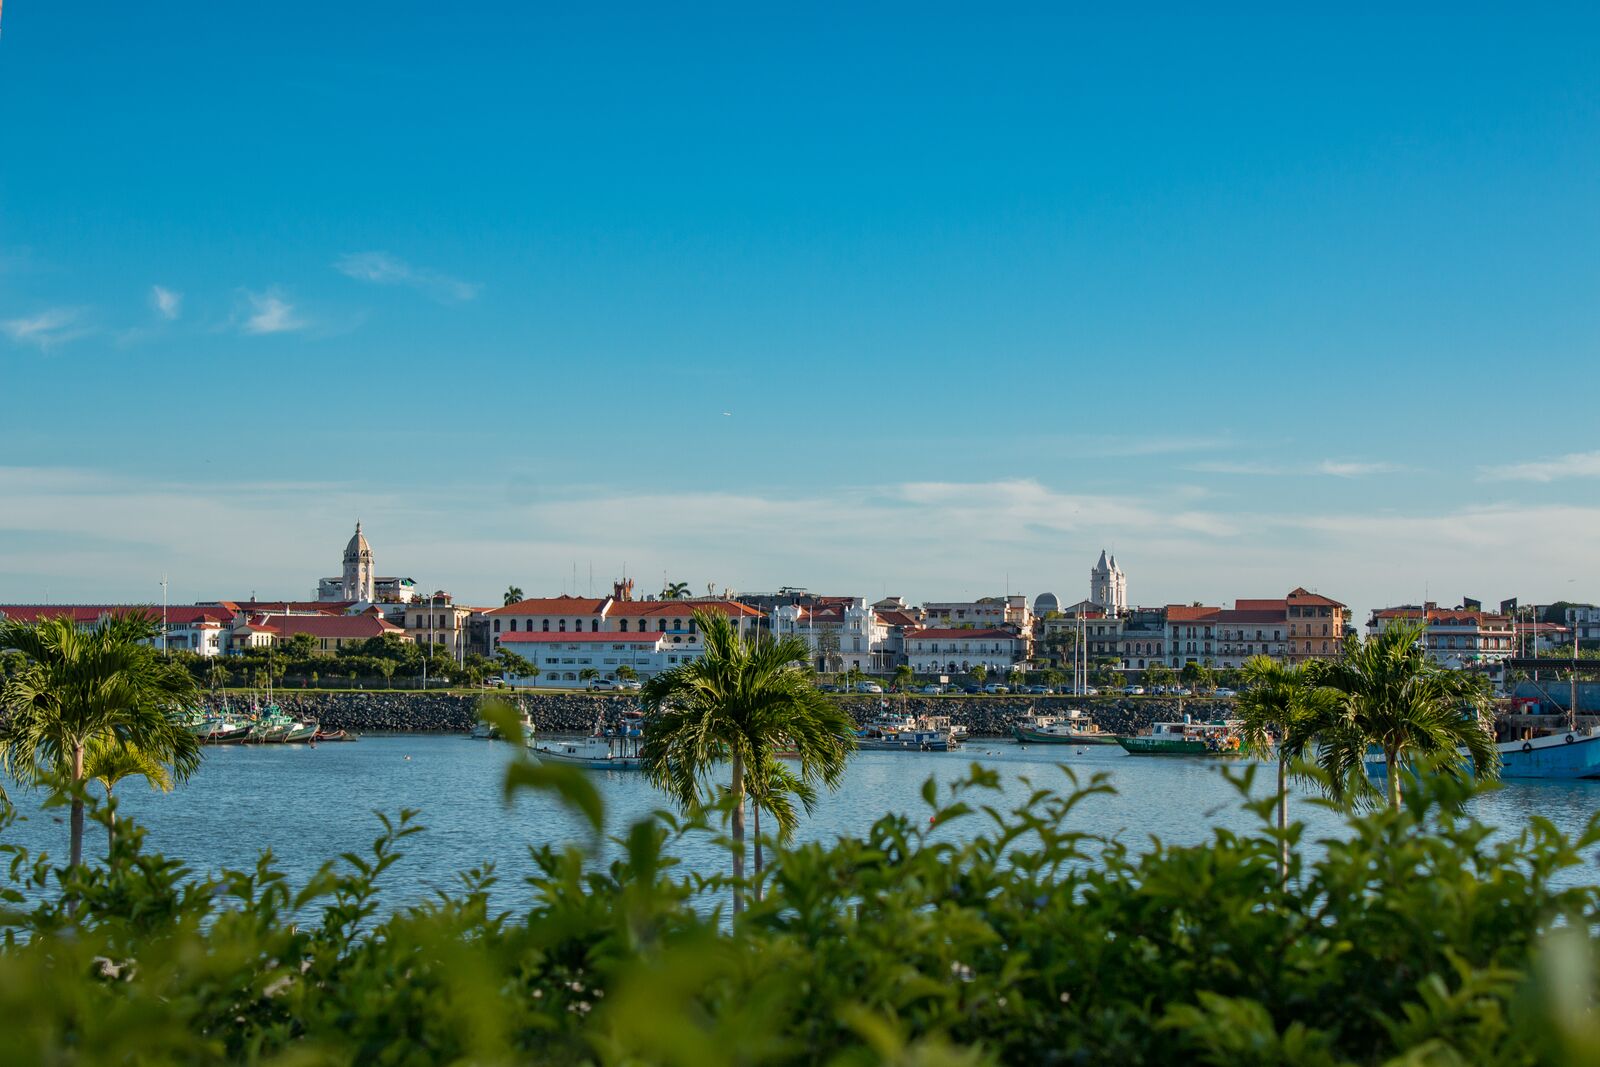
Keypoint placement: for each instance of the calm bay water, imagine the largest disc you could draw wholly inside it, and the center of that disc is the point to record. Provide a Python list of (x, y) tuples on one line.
[(309, 804)]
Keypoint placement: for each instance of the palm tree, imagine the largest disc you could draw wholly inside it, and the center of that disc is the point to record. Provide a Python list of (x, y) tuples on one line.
[(1278, 714), (627, 673), (1393, 697), (588, 674), (979, 673), (109, 762), (86, 688), (770, 787), (512, 595), (675, 591), (740, 701), (904, 676)]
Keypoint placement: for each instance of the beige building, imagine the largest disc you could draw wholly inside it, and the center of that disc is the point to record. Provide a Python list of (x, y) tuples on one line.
[(1316, 626), (438, 620)]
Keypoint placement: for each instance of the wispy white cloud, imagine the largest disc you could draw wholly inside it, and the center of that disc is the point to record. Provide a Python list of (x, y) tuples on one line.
[(382, 268), (1334, 468), (270, 313), (926, 540), (1571, 465), (167, 302), (47, 328)]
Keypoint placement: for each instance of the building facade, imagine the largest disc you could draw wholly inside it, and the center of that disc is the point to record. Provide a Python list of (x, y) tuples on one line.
[(1452, 637), (958, 650), (1316, 626)]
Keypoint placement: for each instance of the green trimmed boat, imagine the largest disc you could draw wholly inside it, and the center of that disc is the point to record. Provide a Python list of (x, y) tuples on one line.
[(1219, 738), (1073, 728)]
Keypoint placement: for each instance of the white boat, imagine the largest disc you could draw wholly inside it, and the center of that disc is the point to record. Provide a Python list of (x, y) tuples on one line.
[(590, 752), (1073, 728), (900, 733)]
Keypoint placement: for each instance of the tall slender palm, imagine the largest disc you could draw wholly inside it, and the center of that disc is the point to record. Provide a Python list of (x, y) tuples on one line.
[(86, 687), (1279, 713), (739, 702), (772, 787), (1392, 696), (108, 762), (675, 591), (512, 595)]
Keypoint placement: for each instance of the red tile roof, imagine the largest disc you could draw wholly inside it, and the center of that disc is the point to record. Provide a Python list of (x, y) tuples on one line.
[(88, 614), (348, 627), (959, 634), (626, 609), (1251, 616), (1302, 596), (1280, 606), (1189, 612), (523, 637), (553, 605), (897, 618)]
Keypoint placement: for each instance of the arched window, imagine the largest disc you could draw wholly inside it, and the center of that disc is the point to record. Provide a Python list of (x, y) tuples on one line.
[(677, 624), (561, 625), (546, 625), (594, 626), (661, 626), (513, 625), (497, 625), (623, 625)]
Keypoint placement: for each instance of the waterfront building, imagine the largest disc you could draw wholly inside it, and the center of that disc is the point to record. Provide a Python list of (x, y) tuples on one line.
[(1142, 639), (563, 657), (1108, 586), (1316, 626), (841, 635), (594, 615), (1453, 637), (1191, 634), (329, 632), (438, 620), (198, 628), (1251, 628), (1011, 610), (956, 650), (1583, 624)]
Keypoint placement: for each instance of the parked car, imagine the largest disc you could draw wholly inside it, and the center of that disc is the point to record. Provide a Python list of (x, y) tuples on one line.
[(827, 687), (996, 687), (868, 687), (1225, 692), (1133, 690), (933, 689), (1090, 691), (1039, 690), (971, 690)]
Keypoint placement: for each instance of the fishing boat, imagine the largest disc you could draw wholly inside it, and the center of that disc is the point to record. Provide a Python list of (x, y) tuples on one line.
[(608, 748), (900, 733), (1186, 738), (953, 733), (301, 731), (1073, 728), (1569, 755), (335, 735)]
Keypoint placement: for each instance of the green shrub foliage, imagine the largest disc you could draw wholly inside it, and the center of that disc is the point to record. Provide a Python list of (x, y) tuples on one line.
[(1416, 936)]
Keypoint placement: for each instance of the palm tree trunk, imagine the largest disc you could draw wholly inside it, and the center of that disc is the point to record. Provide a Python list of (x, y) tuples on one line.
[(1391, 763), (1283, 817), (77, 804), (755, 813), (111, 825), (738, 833)]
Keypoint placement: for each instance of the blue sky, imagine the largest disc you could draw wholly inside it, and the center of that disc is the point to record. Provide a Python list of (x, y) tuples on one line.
[(1258, 301)]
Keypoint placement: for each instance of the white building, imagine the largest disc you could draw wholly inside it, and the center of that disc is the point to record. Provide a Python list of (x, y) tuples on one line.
[(359, 582), (563, 657), (1108, 586), (1584, 623), (197, 628), (840, 636), (955, 651)]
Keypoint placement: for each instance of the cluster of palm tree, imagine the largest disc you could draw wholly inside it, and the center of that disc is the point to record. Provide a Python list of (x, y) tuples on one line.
[(749, 706), (95, 705), (1382, 696), (675, 591)]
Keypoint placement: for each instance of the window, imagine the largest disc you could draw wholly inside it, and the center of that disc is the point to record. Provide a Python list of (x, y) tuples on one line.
[(661, 626), (594, 626), (513, 625), (497, 626), (623, 626), (546, 625)]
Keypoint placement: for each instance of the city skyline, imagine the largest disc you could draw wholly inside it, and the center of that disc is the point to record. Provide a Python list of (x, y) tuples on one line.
[(856, 302)]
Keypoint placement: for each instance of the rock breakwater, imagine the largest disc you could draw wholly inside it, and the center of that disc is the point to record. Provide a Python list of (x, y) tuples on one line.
[(565, 713)]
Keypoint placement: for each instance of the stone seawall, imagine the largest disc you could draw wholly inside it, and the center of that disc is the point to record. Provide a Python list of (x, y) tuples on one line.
[(377, 712)]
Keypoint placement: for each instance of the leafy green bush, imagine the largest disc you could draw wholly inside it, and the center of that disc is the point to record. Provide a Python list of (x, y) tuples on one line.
[(1417, 936)]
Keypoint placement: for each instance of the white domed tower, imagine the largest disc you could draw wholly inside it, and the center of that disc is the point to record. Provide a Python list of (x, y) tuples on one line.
[(359, 573), (1108, 586)]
